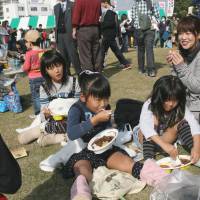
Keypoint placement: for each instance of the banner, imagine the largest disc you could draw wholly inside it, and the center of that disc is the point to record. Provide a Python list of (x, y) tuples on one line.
[(34, 21), (170, 7)]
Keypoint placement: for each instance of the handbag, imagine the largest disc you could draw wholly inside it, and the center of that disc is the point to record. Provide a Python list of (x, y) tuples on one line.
[(127, 112)]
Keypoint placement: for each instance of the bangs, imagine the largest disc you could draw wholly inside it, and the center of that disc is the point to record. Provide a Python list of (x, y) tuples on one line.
[(171, 94), (54, 61), (188, 24), (168, 88), (99, 88)]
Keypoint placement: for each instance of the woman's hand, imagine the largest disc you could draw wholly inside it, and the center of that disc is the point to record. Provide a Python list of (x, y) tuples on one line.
[(102, 116), (171, 150), (174, 57), (169, 58)]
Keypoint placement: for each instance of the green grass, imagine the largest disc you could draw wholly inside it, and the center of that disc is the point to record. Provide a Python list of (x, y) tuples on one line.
[(38, 185)]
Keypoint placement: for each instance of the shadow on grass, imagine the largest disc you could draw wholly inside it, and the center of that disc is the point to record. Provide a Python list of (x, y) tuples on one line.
[(55, 188), (110, 71), (159, 65), (26, 101)]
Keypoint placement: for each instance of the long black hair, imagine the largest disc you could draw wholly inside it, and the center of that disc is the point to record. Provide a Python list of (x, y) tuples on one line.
[(49, 59), (168, 88), (94, 84)]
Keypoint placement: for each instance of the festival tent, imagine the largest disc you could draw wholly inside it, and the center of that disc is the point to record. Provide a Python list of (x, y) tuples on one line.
[(34, 21)]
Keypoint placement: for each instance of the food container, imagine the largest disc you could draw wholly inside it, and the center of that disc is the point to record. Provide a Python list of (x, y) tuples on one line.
[(100, 149), (169, 165)]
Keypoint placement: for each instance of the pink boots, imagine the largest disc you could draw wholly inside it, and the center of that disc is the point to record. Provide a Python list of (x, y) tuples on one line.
[(80, 189)]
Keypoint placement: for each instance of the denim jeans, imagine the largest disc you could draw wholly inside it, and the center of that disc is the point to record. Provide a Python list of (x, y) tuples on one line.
[(35, 93), (124, 47), (145, 43)]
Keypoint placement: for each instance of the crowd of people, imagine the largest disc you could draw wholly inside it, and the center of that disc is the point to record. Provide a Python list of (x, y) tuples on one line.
[(84, 31)]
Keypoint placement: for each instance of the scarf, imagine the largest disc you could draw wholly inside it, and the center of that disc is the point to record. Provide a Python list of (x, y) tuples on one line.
[(189, 56)]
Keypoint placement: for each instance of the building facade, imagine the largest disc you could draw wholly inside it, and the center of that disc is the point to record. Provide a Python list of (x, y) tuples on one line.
[(23, 8)]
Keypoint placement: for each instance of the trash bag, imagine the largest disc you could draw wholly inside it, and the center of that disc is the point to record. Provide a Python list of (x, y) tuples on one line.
[(12, 100), (180, 185)]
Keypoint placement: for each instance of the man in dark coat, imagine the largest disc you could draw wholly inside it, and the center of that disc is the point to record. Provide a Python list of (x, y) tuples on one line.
[(63, 31)]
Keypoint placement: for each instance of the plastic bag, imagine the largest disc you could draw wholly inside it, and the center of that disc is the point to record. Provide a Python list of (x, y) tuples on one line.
[(3, 106), (12, 100), (180, 185), (124, 135)]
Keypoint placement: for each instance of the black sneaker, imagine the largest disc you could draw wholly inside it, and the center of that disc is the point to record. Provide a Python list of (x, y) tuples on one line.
[(152, 74)]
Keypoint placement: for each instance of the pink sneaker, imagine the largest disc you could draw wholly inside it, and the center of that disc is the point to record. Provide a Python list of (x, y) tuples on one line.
[(80, 189), (151, 173)]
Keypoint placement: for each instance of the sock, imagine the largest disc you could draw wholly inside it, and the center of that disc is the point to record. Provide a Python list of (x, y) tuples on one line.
[(28, 135), (48, 139), (136, 170)]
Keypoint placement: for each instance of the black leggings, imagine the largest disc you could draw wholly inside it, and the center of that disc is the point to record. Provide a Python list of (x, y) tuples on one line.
[(184, 135)]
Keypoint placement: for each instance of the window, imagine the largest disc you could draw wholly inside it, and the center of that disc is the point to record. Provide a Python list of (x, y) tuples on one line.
[(7, 9), (44, 9), (33, 8), (20, 8)]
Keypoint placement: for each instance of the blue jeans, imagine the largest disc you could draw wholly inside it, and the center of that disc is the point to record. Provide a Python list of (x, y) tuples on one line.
[(124, 47), (35, 93)]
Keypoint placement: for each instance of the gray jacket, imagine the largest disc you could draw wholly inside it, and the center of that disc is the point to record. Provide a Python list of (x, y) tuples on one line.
[(189, 74)]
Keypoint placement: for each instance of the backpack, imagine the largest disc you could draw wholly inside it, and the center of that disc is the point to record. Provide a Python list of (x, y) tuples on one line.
[(127, 112)]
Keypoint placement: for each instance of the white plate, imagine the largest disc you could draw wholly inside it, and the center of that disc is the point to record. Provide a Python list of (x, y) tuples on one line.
[(97, 149), (168, 161)]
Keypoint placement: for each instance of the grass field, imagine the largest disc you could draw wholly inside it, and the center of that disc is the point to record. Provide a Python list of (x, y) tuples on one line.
[(38, 185)]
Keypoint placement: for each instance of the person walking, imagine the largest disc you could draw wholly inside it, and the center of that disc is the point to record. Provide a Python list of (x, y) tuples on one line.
[(109, 30), (85, 22), (63, 32), (143, 10)]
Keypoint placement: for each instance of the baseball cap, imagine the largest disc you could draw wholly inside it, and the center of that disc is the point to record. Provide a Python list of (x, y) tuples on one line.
[(32, 36)]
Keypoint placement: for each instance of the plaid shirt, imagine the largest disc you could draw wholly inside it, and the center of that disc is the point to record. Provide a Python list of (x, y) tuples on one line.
[(141, 5)]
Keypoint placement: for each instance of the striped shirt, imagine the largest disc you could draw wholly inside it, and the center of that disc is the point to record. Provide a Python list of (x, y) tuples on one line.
[(59, 91), (141, 7)]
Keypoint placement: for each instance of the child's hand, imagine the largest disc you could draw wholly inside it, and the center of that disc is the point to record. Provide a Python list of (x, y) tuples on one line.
[(102, 116), (46, 112), (195, 155), (171, 150)]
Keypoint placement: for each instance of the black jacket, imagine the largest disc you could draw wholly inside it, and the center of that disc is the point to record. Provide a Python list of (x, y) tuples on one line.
[(10, 173), (109, 25)]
